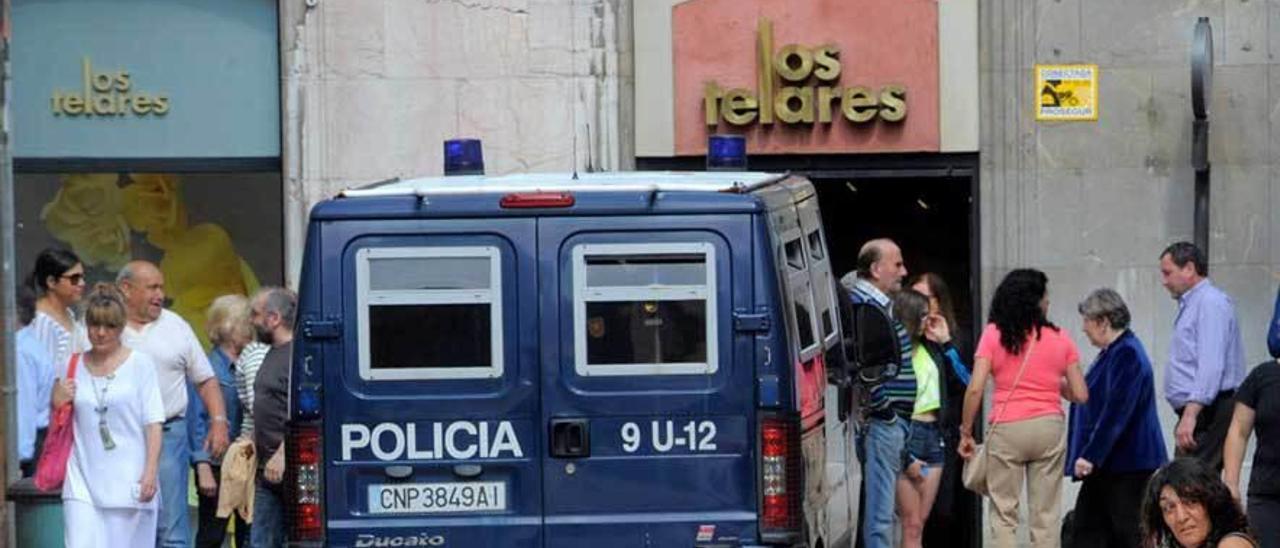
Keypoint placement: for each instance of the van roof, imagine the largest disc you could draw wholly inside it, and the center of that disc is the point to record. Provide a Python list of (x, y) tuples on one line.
[(688, 181)]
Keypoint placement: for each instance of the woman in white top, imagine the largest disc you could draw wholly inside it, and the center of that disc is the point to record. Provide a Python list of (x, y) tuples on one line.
[(110, 493), (58, 282)]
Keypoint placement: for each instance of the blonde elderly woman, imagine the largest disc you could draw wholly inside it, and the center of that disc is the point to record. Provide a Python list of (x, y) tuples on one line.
[(110, 493), (229, 331)]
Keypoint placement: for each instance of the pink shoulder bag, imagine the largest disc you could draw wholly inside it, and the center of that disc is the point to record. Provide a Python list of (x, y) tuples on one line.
[(51, 469)]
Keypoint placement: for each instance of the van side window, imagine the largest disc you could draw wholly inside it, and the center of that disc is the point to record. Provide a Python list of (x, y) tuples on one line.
[(804, 316), (795, 254), (429, 312), (815, 245), (644, 309)]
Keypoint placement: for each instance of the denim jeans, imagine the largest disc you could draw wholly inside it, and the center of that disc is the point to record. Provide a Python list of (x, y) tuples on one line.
[(882, 449), (268, 517), (173, 527)]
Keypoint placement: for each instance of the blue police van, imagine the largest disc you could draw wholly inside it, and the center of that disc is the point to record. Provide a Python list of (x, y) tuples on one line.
[(575, 360)]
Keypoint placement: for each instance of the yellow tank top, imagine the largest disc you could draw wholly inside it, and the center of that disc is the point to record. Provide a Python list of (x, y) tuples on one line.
[(928, 391)]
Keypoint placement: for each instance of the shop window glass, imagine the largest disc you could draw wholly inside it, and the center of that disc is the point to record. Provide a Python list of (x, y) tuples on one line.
[(211, 234)]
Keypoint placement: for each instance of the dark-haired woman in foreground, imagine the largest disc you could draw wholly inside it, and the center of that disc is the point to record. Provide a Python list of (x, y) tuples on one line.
[(1187, 506)]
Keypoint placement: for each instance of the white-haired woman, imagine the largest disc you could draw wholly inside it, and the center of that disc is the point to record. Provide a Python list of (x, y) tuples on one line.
[(229, 331), (1114, 441)]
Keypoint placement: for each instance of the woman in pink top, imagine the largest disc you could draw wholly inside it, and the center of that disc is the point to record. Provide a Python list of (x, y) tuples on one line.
[(1027, 442)]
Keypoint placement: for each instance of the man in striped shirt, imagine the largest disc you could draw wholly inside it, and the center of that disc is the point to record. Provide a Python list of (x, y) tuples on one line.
[(884, 436)]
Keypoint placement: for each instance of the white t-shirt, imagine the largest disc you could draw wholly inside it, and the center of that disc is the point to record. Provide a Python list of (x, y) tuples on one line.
[(109, 479), (178, 357)]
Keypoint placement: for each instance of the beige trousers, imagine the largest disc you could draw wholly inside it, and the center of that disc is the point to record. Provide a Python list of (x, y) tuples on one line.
[(1030, 450)]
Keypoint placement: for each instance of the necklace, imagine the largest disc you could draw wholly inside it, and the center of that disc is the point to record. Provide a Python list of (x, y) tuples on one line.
[(100, 395)]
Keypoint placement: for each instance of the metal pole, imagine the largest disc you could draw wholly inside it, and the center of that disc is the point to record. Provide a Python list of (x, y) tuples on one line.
[(1201, 93), (1202, 211), (8, 274)]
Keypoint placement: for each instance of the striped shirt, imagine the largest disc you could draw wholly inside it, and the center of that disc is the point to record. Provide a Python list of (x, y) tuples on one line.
[(246, 373), (898, 393), (59, 342)]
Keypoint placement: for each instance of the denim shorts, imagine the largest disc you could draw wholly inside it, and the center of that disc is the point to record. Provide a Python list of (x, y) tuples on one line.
[(924, 443)]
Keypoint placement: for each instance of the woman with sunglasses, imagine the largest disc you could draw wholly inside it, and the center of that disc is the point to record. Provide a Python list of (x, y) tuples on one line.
[(58, 282)]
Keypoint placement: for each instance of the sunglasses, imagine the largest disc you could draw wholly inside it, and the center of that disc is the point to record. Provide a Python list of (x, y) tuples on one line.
[(75, 279)]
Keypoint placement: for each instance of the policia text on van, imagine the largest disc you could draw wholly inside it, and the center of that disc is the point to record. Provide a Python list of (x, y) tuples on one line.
[(554, 360)]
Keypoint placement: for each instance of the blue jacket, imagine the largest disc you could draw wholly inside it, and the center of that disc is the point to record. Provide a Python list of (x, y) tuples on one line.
[(1273, 334), (198, 417), (1118, 429)]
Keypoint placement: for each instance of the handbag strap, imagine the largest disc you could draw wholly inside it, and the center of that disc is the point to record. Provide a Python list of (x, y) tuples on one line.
[(71, 365), (1021, 369)]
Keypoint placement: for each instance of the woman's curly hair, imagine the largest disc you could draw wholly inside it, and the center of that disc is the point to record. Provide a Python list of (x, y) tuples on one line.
[(1015, 308), (1193, 481)]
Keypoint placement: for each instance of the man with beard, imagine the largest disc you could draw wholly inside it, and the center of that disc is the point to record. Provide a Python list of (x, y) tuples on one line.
[(272, 312), (178, 356)]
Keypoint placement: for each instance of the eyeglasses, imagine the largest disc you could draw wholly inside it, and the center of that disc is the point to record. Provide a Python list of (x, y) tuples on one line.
[(75, 279)]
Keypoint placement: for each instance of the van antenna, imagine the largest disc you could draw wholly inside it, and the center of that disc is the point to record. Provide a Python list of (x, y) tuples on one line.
[(591, 168), (574, 155)]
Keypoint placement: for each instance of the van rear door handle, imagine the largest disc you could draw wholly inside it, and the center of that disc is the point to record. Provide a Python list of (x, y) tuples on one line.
[(570, 438)]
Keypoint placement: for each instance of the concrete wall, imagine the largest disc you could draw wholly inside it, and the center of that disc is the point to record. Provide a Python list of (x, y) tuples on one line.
[(1093, 203), (372, 88)]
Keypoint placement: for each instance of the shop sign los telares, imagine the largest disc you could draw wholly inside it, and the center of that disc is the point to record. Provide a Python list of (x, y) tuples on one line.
[(799, 97), (835, 78)]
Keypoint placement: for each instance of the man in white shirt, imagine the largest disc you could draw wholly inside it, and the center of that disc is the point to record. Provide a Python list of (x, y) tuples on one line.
[(179, 358)]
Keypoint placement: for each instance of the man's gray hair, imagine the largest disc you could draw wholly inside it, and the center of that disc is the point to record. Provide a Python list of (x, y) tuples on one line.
[(280, 300), (1106, 303), (125, 274)]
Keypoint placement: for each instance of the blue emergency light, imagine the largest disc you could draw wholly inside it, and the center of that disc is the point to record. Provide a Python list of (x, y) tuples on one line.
[(463, 157), (308, 402), (726, 153)]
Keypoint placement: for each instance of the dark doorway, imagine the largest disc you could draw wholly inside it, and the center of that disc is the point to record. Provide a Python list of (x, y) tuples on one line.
[(930, 219)]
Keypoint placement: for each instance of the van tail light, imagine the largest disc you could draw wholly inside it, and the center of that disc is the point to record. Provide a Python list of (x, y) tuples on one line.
[(781, 466), (524, 200), (303, 480)]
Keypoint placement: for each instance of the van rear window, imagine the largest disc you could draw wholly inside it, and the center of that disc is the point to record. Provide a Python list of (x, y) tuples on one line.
[(644, 309), (429, 312), (429, 335)]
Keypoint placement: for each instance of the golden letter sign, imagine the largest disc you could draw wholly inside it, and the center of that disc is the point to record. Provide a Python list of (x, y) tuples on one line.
[(107, 94), (797, 101)]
